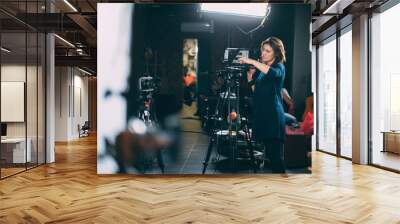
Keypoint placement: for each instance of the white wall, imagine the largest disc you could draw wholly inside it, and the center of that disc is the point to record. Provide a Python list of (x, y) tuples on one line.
[(12, 73), (61, 103), (81, 95), (71, 94), (32, 127), (17, 72), (9, 73)]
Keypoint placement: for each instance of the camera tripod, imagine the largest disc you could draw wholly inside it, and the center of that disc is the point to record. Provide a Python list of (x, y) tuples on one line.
[(235, 123), (148, 116)]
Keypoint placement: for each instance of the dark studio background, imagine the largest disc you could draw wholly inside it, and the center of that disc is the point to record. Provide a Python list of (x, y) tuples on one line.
[(159, 27)]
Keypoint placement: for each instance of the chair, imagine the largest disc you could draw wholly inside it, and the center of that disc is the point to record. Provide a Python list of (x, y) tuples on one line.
[(84, 130)]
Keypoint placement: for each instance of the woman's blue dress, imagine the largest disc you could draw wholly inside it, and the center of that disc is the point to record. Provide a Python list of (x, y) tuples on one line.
[(269, 116)]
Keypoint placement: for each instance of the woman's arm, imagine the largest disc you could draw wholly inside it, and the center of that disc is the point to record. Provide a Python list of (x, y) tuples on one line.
[(288, 100), (273, 71), (260, 66)]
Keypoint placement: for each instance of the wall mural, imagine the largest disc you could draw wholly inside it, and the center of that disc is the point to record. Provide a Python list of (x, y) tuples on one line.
[(246, 121)]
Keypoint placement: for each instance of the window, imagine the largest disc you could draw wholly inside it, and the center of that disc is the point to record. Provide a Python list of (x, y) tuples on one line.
[(346, 94), (385, 88), (327, 96)]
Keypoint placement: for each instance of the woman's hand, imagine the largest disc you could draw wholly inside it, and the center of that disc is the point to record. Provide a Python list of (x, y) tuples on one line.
[(264, 68), (246, 61)]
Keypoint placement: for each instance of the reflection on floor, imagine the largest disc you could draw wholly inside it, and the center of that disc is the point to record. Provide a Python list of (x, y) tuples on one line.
[(11, 169), (386, 159), (346, 152), (194, 148)]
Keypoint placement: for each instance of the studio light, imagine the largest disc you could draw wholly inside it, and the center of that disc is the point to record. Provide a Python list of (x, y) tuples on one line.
[(241, 9), (5, 50)]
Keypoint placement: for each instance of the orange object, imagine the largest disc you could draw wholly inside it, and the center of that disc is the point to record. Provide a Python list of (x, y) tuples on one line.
[(233, 115), (189, 80)]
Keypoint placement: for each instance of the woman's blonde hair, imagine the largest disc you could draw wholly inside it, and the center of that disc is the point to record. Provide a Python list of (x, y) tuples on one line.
[(278, 48)]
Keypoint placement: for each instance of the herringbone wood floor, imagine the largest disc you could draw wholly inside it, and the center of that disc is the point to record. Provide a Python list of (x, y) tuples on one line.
[(70, 191)]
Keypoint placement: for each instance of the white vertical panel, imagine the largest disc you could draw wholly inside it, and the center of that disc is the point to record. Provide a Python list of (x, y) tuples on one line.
[(12, 101), (113, 64)]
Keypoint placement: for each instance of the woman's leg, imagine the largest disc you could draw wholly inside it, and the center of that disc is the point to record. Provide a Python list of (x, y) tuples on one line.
[(276, 157)]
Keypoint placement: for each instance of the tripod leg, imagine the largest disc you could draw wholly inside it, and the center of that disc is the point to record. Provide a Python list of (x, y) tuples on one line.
[(209, 150), (216, 121), (160, 161)]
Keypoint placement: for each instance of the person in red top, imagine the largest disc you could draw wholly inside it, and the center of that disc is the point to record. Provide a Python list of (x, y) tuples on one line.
[(189, 82)]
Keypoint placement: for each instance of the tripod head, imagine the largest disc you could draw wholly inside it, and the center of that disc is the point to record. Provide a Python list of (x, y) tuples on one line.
[(231, 73)]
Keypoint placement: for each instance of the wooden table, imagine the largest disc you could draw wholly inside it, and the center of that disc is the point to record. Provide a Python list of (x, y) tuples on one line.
[(13, 150), (391, 141)]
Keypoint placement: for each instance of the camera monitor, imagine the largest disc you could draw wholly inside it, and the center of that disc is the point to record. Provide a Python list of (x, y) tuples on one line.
[(146, 84), (232, 55)]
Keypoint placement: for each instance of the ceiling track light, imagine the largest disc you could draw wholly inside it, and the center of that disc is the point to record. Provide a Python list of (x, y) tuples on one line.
[(70, 5), (5, 50), (326, 11), (65, 41), (84, 71)]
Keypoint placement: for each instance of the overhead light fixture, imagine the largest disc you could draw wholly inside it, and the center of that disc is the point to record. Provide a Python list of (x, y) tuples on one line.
[(329, 9), (5, 50), (241, 9), (64, 40), (70, 5), (79, 44), (80, 51), (84, 71)]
